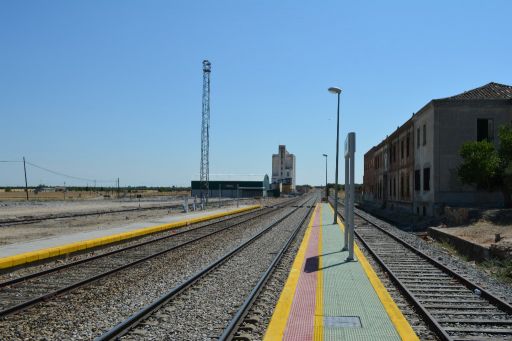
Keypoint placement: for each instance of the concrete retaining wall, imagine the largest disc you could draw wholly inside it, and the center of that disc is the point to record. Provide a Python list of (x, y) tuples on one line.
[(473, 251)]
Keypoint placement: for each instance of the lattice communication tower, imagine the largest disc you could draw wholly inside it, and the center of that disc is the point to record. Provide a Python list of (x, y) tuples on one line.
[(205, 131)]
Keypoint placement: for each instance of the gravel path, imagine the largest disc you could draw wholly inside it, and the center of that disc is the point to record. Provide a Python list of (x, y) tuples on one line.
[(92, 309), (202, 311)]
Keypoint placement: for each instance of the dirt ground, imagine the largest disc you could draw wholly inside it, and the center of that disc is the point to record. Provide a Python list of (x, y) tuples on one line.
[(483, 226), (481, 233), (19, 195), (18, 209), (56, 227)]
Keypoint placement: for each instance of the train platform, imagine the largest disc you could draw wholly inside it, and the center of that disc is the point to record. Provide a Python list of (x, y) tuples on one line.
[(35, 250), (327, 298)]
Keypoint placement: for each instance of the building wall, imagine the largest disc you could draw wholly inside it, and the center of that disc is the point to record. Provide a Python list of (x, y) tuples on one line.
[(438, 131), (388, 170), (228, 188), (283, 168), (457, 123), (424, 127)]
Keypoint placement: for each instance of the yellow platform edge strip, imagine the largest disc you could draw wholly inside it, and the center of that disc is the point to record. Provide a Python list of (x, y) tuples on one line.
[(277, 325), (403, 327), (28, 257), (318, 327)]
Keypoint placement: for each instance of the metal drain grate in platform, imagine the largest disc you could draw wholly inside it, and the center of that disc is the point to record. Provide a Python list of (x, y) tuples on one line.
[(342, 321)]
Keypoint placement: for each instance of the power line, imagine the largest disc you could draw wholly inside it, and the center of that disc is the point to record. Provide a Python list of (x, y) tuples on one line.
[(11, 161), (69, 176)]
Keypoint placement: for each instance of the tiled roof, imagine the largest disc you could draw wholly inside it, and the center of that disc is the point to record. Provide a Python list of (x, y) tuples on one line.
[(488, 91)]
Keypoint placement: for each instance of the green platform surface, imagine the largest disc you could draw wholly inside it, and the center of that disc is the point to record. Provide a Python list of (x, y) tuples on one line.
[(347, 292)]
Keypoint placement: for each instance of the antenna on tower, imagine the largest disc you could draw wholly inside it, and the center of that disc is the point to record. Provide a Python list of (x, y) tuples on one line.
[(205, 132)]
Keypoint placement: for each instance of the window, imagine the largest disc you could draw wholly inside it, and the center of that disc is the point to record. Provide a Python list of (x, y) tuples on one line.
[(424, 210), (408, 141), (394, 187), (424, 134), (426, 179), (390, 187), (417, 180), (408, 191), (484, 129), (402, 193), (418, 137), (402, 149)]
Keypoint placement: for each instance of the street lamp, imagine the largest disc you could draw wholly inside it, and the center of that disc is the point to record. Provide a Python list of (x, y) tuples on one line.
[(336, 91), (326, 190)]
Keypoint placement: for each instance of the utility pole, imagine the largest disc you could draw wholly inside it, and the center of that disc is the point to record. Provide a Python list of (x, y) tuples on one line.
[(25, 171), (205, 133)]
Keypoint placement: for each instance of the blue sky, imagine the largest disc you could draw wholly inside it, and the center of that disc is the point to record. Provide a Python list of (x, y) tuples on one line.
[(107, 89)]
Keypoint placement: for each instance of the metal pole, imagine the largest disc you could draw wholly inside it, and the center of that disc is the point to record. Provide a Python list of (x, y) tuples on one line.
[(346, 209), (351, 204), (326, 188), (337, 153), (25, 170)]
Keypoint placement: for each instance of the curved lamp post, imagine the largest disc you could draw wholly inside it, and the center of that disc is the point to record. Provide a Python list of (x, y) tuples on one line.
[(336, 91)]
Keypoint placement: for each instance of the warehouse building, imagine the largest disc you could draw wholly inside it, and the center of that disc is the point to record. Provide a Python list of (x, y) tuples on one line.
[(415, 168), (233, 186), (283, 170)]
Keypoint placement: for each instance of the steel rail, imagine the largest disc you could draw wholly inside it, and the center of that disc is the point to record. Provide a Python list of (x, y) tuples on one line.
[(61, 267), (429, 319), (6, 222), (236, 321), (135, 319), (28, 303)]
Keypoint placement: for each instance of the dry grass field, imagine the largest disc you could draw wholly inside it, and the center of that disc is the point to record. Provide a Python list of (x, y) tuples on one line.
[(84, 195)]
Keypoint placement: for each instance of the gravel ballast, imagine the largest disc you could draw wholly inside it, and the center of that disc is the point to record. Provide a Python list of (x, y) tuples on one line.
[(202, 311), (92, 309)]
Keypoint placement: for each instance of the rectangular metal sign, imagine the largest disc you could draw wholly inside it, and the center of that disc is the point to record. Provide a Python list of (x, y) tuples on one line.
[(350, 144)]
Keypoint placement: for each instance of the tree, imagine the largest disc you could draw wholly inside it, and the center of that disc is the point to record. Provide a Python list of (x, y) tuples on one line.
[(487, 168)]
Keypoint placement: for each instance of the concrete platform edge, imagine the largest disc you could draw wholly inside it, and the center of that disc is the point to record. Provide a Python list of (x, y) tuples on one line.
[(28, 257)]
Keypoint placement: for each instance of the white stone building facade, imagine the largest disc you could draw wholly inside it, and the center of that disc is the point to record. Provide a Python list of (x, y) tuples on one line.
[(283, 169)]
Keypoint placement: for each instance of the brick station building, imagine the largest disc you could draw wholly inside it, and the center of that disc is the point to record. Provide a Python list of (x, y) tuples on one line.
[(415, 168)]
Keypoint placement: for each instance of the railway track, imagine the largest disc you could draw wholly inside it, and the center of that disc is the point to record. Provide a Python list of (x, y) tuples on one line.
[(31, 220), (220, 294), (453, 306), (22, 292)]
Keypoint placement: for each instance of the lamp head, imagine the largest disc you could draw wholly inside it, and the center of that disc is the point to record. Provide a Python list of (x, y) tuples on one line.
[(324, 155), (334, 90)]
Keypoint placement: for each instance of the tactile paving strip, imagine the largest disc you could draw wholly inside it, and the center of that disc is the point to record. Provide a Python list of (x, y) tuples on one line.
[(301, 320)]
